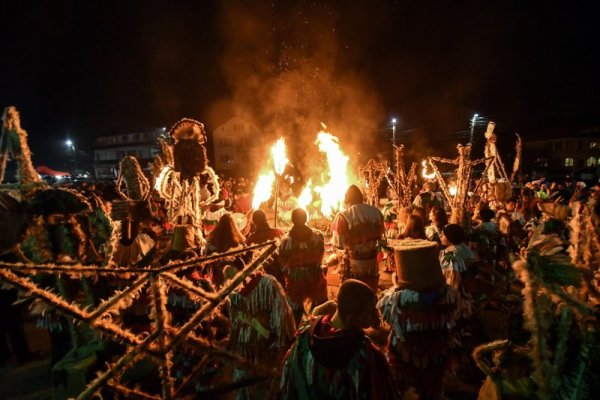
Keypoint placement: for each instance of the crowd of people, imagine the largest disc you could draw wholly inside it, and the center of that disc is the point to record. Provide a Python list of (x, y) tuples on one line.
[(369, 339)]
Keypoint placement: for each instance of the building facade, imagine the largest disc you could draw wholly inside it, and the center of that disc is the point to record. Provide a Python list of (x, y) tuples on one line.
[(578, 157), (109, 150), (235, 145)]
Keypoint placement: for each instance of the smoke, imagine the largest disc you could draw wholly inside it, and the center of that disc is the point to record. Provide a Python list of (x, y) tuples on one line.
[(287, 72)]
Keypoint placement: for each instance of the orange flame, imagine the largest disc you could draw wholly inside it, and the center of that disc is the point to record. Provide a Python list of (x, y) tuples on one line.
[(306, 197), (332, 192), (263, 189), (424, 173), (280, 159)]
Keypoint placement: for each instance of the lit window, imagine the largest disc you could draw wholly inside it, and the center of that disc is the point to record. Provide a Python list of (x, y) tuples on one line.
[(568, 162), (591, 162)]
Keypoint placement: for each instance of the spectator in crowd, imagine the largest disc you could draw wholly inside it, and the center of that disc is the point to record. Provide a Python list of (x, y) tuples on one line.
[(332, 358)]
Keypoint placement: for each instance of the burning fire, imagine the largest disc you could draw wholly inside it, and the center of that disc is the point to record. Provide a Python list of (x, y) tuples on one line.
[(263, 189), (332, 192), (306, 197), (424, 173), (264, 184), (335, 178), (280, 159)]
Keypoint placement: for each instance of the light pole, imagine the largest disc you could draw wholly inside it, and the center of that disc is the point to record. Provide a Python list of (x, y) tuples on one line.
[(394, 130), (473, 122), (71, 149)]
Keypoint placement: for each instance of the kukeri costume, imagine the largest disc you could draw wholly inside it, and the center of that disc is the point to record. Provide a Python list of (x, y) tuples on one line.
[(328, 363), (421, 312), (358, 230)]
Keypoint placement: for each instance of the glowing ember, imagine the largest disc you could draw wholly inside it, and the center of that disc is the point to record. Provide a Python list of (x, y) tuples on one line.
[(424, 173), (452, 190), (306, 197), (280, 159), (263, 189), (336, 178)]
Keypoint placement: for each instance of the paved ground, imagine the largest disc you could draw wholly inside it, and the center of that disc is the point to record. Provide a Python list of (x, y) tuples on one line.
[(31, 380)]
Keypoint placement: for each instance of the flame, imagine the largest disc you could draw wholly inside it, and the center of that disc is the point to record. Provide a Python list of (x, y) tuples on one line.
[(332, 192), (280, 159), (453, 190), (424, 173), (263, 189), (335, 178), (306, 197)]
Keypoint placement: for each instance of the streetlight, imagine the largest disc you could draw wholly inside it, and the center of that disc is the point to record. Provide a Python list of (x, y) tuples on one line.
[(71, 149), (394, 120), (473, 121)]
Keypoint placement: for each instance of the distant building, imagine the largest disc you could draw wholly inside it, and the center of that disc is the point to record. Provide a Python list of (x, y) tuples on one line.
[(235, 145), (109, 150), (578, 157)]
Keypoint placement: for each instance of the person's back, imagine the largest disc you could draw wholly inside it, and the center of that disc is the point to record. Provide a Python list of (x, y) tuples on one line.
[(332, 357), (301, 254), (357, 230)]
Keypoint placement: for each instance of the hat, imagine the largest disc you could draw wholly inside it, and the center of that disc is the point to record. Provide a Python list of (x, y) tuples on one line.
[(417, 265), (188, 128)]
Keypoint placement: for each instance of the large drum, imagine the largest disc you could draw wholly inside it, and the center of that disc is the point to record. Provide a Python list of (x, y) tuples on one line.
[(417, 265)]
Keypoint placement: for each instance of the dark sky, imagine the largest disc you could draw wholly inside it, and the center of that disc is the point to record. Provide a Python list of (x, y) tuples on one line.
[(83, 68)]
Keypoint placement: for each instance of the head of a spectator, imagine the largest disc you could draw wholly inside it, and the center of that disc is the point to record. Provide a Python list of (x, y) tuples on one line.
[(429, 186), (299, 217), (421, 213), (414, 228), (454, 234), (487, 214), (353, 196), (438, 217), (403, 214), (356, 305), (226, 235), (511, 204), (259, 219)]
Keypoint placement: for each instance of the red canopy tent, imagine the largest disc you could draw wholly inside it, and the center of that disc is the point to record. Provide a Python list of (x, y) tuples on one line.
[(43, 170)]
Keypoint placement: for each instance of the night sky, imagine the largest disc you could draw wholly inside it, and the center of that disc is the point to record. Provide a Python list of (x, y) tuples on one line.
[(85, 68)]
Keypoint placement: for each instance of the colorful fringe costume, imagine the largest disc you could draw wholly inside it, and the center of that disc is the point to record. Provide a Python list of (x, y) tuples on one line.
[(328, 363), (358, 231), (420, 337), (262, 325), (301, 256), (455, 261)]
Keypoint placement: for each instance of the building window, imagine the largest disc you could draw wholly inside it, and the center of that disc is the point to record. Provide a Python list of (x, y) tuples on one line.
[(558, 146), (594, 145), (568, 162), (541, 162), (591, 162)]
